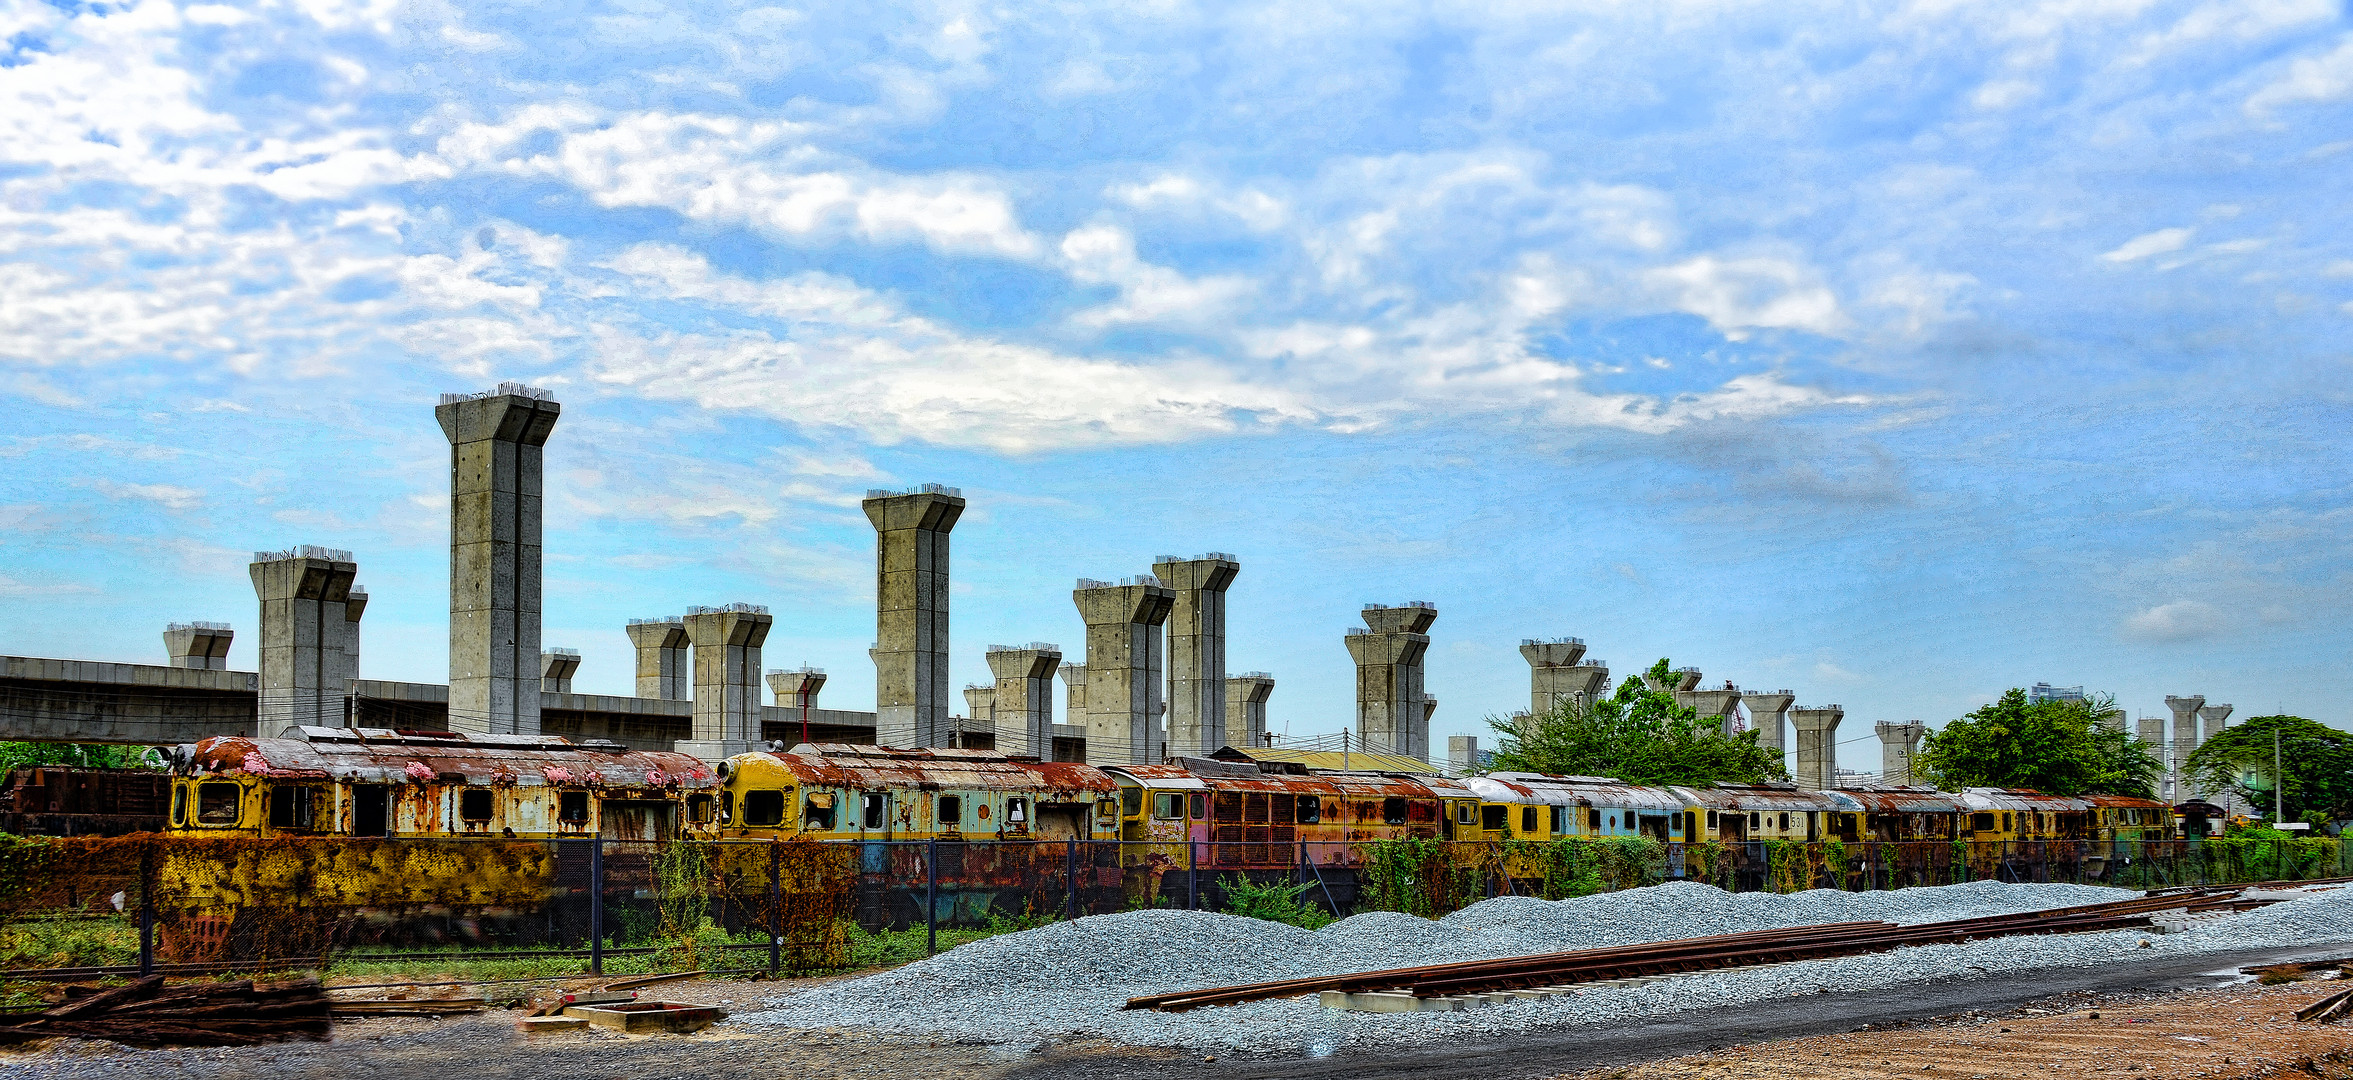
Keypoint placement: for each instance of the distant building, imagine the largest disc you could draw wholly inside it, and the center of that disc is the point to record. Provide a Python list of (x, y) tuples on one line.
[(2043, 691)]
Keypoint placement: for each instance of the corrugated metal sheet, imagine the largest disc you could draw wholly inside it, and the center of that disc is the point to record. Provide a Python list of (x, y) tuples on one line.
[(375, 755), (1985, 798), (1755, 797), (1335, 761), (842, 765), (1592, 791), (1899, 800)]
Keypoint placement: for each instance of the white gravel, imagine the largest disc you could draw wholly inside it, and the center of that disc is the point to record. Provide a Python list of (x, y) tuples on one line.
[(1068, 980)]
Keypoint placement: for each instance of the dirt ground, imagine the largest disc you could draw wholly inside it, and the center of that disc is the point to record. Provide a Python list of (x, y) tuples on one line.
[(2245, 1031)]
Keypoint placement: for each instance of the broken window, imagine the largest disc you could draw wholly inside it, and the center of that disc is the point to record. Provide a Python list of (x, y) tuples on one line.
[(1254, 808), (179, 804), (1168, 804), (951, 811), (1785, 821), (1393, 811), (1421, 813), (1560, 819), (1593, 819), (726, 806), (474, 804), (1527, 819), (817, 810), (292, 807), (1017, 811), (763, 808), (1463, 813), (216, 804), (1755, 820), (1311, 810), (874, 809), (1711, 819), (1983, 822), (1494, 818), (698, 809)]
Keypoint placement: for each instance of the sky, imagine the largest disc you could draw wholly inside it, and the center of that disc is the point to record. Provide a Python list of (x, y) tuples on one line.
[(1892, 353)]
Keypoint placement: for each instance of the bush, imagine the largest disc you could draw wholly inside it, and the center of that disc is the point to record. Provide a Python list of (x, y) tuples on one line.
[(1273, 903)]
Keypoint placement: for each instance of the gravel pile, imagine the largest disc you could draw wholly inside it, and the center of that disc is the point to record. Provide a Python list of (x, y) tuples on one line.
[(1068, 980)]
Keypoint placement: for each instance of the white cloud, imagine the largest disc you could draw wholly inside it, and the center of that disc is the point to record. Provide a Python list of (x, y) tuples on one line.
[(1739, 295), (14, 589), (2308, 80), (2147, 244), (169, 496), (1106, 255), (2181, 620)]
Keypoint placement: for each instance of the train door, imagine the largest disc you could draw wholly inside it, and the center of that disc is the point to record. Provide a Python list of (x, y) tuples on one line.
[(1653, 826), (638, 819), (1061, 821), (371, 810), (1731, 826)]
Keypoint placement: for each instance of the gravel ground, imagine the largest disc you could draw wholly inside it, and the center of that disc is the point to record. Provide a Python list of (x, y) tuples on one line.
[(1067, 981)]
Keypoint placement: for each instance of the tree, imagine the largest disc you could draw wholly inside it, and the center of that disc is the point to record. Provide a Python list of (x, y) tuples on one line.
[(22, 755), (2317, 758), (1639, 735), (2055, 747)]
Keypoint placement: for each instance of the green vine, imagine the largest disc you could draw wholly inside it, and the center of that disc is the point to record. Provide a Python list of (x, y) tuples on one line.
[(1419, 877)]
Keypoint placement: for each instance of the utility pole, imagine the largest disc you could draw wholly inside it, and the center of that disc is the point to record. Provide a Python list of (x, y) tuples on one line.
[(2279, 782)]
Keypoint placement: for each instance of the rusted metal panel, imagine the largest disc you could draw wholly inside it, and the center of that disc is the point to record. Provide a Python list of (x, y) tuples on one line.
[(1756, 797), (1900, 800), (1582, 791), (383, 756), (1984, 798)]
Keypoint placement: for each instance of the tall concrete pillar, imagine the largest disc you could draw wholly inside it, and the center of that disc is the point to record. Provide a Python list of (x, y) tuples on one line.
[(556, 666), (663, 671), (1715, 707), (1074, 694), (2185, 740), (1124, 672), (1768, 713), (1462, 755), (980, 703), (911, 613), (495, 444), (346, 636), (1246, 696), (2151, 731), (1897, 745), (1023, 699), (2113, 720), (796, 688), (200, 645), (302, 593), (1817, 745), (726, 643), (2211, 720), (1553, 673), (1389, 654), (1197, 649)]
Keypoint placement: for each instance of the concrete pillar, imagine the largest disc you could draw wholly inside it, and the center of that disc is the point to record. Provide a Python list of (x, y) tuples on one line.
[(1389, 653), (1124, 672), (1429, 707), (911, 613), (1553, 673), (796, 688), (346, 635), (1817, 744), (302, 593), (1897, 745), (200, 645), (980, 704), (1197, 649), (1462, 754), (556, 666), (1715, 707), (1246, 696), (2113, 720), (1074, 694), (2185, 739), (1023, 699), (663, 671), (726, 643), (2151, 731), (2211, 720), (1768, 713), (495, 442)]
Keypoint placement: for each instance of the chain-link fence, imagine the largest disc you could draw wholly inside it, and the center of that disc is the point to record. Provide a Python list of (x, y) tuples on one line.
[(89, 905)]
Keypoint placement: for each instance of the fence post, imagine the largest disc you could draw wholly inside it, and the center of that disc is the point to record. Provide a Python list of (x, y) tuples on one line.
[(1070, 880), (596, 906), (931, 897), (146, 910), (775, 907), (1192, 875)]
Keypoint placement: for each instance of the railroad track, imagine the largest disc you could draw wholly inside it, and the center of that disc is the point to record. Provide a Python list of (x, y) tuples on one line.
[(1414, 988)]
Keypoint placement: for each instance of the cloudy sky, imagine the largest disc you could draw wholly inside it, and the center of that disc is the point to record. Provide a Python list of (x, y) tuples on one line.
[(1891, 353)]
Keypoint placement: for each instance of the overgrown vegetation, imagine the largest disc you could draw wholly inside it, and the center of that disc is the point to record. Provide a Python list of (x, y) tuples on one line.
[(1582, 866), (22, 755), (1275, 902), (1639, 735), (2055, 747), (1418, 877), (2317, 761), (69, 939)]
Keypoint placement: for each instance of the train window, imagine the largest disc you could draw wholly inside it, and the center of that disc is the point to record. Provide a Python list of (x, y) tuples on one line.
[(474, 804), (1017, 811), (1393, 811), (1560, 819), (292, 807), (817, 810), (1593, 819), (1131, 801), (698, 809), (1494, 818), (1422, 813), (1197, 805), (1982, 821), (1168, 804), (216, 804), (179, 804), (1785, 821), (1463, 813), (1311, 810), (875, 807), (1711, 819), (1254, 809), (761, 808), (726, 806), (1613, 820), (2005, 821), (1106, 808), (573, 806), (951, 810), (1527, 819), (1756, 820)]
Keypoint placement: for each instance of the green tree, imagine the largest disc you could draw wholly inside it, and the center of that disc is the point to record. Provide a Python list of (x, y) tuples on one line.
[(20, 755), (2317, 759), (1639, 735), (2056, 747)]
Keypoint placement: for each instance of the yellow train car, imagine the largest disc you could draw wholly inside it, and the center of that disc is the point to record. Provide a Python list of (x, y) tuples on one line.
[(2022, 815), (375, 782), (833, 791), (1533, 806)]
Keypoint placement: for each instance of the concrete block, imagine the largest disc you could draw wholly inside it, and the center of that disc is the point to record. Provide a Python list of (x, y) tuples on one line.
[(1389, 1002)]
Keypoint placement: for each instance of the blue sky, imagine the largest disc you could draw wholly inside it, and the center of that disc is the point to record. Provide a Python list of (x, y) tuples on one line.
[(1891, 353)]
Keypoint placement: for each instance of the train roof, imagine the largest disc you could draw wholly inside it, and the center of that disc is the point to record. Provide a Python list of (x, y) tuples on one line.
[(1747, 797), (1195, 775), (847, 765), (1894, 799), (2123, 802), (1543, 790), (1991, 798), (383, 755)]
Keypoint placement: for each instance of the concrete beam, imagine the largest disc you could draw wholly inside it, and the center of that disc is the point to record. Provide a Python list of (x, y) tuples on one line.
[(304, 671), (556, 666), (1817, 744), (1898, 745), (1715, 707), (2212, 719), (200, 646), (1553, 673), (1389, 652), (1197, 649), (726, 643), (496, 440), (911, 613), (796, 688), (43, 700), (663, 670), (1124, 668), (1246, 696), (1769, 714), (1022, 701)]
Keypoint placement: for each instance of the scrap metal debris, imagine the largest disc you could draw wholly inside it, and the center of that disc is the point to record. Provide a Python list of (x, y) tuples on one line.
[(145, 1013)]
